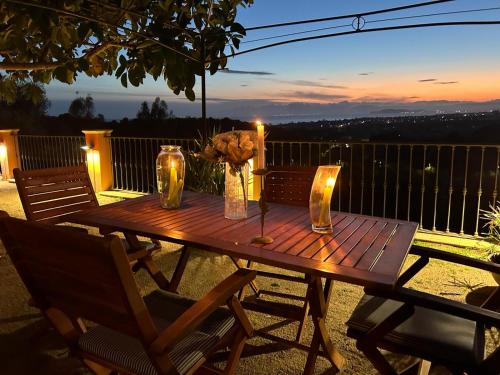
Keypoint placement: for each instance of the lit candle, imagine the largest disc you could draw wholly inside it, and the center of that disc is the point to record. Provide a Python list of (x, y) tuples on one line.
[(325, 203), (261, 146), (172, 186)]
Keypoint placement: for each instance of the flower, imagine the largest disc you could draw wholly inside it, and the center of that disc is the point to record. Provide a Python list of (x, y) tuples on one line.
[(235, 147)]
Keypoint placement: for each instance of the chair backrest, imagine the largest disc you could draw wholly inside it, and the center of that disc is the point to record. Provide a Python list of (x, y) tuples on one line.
[(78, 275), (289, 185), (48, 195)]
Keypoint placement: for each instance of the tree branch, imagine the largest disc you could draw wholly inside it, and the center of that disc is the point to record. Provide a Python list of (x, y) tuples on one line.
[(35, 66)]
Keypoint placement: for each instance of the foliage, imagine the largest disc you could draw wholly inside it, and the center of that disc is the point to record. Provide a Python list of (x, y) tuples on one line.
[(203, 175), (26, 103), (493, 225), (144, 113), (172, 40), (82, 107), (160, 111)]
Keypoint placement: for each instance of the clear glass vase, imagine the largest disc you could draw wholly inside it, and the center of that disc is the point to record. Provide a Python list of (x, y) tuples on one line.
[(236, 192), (170, 173), (321, 196)]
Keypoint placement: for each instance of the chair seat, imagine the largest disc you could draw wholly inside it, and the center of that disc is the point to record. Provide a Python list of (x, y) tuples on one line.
[(427, 334), (128, 352)]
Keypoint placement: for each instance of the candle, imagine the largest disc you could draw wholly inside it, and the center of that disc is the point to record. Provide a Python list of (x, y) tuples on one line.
[(172, 186), (261, 146), (325, 202)]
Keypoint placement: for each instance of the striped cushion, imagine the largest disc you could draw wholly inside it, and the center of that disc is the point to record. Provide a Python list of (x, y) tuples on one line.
[(128, 352)]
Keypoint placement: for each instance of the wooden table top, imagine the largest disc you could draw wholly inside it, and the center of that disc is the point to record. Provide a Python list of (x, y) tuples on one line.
[(363, 250)]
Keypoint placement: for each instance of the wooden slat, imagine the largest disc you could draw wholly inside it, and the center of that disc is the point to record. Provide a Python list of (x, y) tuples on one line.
[(60, 203), (392, 257), (369, 256), (356, 243), (61, 211), (361, 247), (54, 187), (37, 198), (345, 248)]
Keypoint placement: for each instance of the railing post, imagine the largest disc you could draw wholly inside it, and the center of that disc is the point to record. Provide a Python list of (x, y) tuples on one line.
[(9, 152), (99, 158)]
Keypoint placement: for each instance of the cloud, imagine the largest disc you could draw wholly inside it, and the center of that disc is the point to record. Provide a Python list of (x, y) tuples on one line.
[(446, 83), (365, 73), (247, 72), (244, 85), (305, 83), (427, 80), (315, 95)]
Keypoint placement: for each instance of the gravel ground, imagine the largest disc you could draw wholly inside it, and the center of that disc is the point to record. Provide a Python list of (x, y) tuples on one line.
[(28, 347)]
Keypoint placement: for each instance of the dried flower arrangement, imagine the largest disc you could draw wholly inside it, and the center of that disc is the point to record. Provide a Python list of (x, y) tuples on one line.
[(235, 147)]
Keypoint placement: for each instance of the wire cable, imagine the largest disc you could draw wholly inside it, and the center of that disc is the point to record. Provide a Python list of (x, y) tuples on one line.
[(354, 15)]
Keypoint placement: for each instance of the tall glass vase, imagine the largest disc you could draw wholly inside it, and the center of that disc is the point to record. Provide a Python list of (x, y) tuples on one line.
[(236, 192), (170, 171)]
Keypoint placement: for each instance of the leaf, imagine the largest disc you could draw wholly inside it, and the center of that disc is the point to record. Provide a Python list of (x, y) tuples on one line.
[(238, 28), (124, 79), (190, 94)]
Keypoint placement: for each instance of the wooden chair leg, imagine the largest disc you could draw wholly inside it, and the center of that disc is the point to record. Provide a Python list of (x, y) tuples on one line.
[(155, 273), (97, 368), (313, 354), (316, 298), (303, 322), (424, 367), (179, 270), (236, 350), (377, 360)]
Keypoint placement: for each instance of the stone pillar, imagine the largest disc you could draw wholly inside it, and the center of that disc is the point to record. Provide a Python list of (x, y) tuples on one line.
[(9, 152), (99, 158)]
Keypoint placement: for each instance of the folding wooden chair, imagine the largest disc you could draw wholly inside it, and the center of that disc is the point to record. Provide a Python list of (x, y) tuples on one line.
[(429, 327), (50, 195), (75, 277), (292, 186)]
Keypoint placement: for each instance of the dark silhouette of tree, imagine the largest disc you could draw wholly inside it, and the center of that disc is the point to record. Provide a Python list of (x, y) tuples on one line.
[(82, 107), (159, 110), (29, 104), (144, 113)]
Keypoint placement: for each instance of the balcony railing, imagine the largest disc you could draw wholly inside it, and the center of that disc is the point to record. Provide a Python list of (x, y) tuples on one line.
[(443, 187), (50, 151)]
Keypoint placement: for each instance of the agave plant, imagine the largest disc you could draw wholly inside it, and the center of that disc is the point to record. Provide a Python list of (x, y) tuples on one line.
[(493, 224)]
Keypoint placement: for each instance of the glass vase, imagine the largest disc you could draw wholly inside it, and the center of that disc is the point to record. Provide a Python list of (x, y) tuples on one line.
[(236, 192), (170, 173), (321, 196)]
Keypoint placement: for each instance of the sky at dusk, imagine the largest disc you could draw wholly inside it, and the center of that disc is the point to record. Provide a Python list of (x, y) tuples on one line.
[(348, 76)]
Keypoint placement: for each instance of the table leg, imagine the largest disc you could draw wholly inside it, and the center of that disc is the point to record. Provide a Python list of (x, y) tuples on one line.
[(318, 302)]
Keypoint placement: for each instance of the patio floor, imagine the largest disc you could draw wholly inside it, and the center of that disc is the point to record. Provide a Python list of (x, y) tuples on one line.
[(27, 347)]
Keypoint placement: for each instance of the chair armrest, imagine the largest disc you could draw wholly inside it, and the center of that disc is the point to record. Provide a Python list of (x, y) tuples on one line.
[(432, 302), (193, 316), (455, 258)]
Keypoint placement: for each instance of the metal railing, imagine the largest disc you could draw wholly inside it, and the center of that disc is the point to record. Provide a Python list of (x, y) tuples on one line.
[(37, 151), (442, 187), (134, 161)]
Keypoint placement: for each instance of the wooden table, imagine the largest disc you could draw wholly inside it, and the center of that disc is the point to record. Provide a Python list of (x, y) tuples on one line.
[(363, 250)]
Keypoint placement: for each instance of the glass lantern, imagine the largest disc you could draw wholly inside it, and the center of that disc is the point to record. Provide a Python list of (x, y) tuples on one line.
[(170, 173), (321, 196)]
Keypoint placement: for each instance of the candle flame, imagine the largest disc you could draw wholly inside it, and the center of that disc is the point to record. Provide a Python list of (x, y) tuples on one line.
[(258, 123), (330, 182), (172, 164)]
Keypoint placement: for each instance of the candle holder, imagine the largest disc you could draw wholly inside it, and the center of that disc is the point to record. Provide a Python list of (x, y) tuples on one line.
[(264, 208), (321, 196)]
